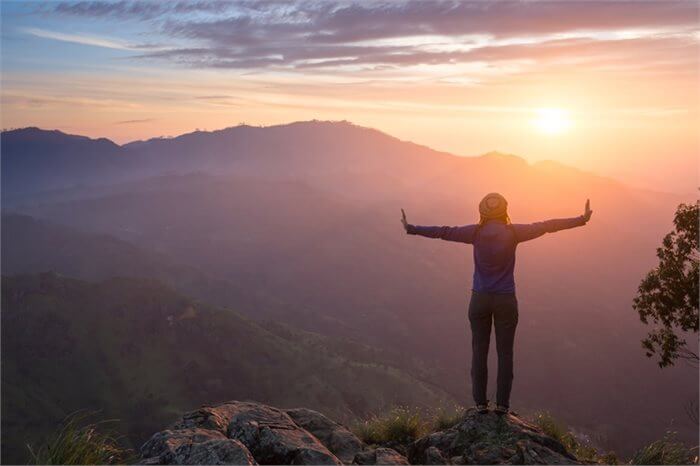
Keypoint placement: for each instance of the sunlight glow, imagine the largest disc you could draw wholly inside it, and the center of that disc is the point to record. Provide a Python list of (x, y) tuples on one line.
[(552, 121)]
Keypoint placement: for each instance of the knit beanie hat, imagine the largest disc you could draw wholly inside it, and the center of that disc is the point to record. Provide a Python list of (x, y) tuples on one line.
[(493, 205)]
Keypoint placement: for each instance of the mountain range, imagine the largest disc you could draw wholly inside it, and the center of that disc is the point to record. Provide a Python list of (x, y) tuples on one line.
[(298, 225)]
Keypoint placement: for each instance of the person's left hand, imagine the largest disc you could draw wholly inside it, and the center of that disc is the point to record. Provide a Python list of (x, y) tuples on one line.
[(587, 212), (403, 220)]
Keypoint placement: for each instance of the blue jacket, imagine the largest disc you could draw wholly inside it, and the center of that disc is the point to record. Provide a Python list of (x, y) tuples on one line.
[(494, 247)]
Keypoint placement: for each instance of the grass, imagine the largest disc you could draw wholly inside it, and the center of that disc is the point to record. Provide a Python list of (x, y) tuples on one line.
[(79, 442), (446, 417), (665, 451), (401, 425), (581, 450), (404, 425)]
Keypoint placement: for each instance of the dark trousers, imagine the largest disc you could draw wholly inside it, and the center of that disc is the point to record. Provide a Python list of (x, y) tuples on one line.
[(502, 309)]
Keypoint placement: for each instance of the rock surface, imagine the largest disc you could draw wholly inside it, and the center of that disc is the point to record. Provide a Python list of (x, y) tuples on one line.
[(489, 439), (195, 446), (380, 455), (252, 433), (266, 435), (336, 437)]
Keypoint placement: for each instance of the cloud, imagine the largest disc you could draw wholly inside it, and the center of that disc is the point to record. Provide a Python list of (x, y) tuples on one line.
[(143, 10), (78, 39), (129, 122), (346, 35), (90, 40)]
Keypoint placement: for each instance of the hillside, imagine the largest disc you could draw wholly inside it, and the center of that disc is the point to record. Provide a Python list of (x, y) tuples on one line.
[(137, 351), (34, 160), (33, 246)]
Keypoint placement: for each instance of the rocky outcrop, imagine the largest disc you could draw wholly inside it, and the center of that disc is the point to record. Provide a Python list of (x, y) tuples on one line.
[(194, 446), (336, 437), (264, 434), (252, 433), (489, 439)]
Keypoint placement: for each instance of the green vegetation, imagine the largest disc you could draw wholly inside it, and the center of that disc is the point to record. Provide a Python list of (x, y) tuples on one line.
[(581, 450), (446, 417), (665, 451), (401, 425), (668, 296), (134, 349), (76, 442), (404, 425)]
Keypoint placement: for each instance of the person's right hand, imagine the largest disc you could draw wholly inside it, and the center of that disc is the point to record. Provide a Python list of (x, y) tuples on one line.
[(403, 220), (587, 212)]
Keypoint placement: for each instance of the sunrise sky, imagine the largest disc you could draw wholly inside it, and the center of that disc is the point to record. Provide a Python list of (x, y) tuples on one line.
[(610, 87)]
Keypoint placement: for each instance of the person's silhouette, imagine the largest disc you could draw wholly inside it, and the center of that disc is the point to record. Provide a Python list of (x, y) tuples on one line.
[(493, 290)]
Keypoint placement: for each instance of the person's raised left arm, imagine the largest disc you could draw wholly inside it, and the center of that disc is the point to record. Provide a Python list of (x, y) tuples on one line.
[(537, 229)]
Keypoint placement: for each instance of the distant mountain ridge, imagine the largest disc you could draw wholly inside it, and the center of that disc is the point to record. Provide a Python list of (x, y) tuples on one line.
[(36, 160)]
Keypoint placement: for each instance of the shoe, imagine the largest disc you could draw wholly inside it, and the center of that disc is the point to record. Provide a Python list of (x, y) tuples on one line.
[(482, 409), (501, 410)]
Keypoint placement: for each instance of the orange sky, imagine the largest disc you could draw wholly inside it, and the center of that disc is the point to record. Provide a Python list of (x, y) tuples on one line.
[(626, 81)]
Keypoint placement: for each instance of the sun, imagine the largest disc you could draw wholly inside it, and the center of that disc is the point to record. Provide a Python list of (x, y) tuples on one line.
[(552, 121)]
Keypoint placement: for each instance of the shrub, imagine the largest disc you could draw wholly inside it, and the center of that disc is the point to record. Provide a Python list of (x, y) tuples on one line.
[(665, 451), (78, 442), (401, 425)]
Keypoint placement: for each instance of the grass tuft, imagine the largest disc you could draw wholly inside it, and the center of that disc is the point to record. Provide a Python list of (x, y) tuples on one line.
[(79, 442), (665, 451), (402, 425), (583, 451), (446, 417)]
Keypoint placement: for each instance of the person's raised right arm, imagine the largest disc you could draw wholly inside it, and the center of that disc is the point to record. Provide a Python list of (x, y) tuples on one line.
[(463, 234)]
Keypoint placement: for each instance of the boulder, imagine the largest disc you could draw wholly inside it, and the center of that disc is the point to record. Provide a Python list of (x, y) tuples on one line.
[(489, 439), (194, 446), (336, 437), (273, 438), (434, 456), (381, 455), (268, 434)]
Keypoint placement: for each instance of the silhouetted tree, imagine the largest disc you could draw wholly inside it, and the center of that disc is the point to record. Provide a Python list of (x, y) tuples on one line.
[(668, 296)]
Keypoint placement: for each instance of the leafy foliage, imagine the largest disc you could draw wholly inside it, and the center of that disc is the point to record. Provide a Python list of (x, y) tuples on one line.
[(665, 451), (668, 296), (76, 442)]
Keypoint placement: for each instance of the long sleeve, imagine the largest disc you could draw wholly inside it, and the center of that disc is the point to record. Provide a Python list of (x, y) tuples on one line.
[(526, 232), (463, 234)]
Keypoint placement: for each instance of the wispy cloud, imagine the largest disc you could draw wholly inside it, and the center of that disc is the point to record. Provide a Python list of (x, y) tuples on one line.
[(90, 40), (346, 36), (130, 122), (144, 10), (78, 39)]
